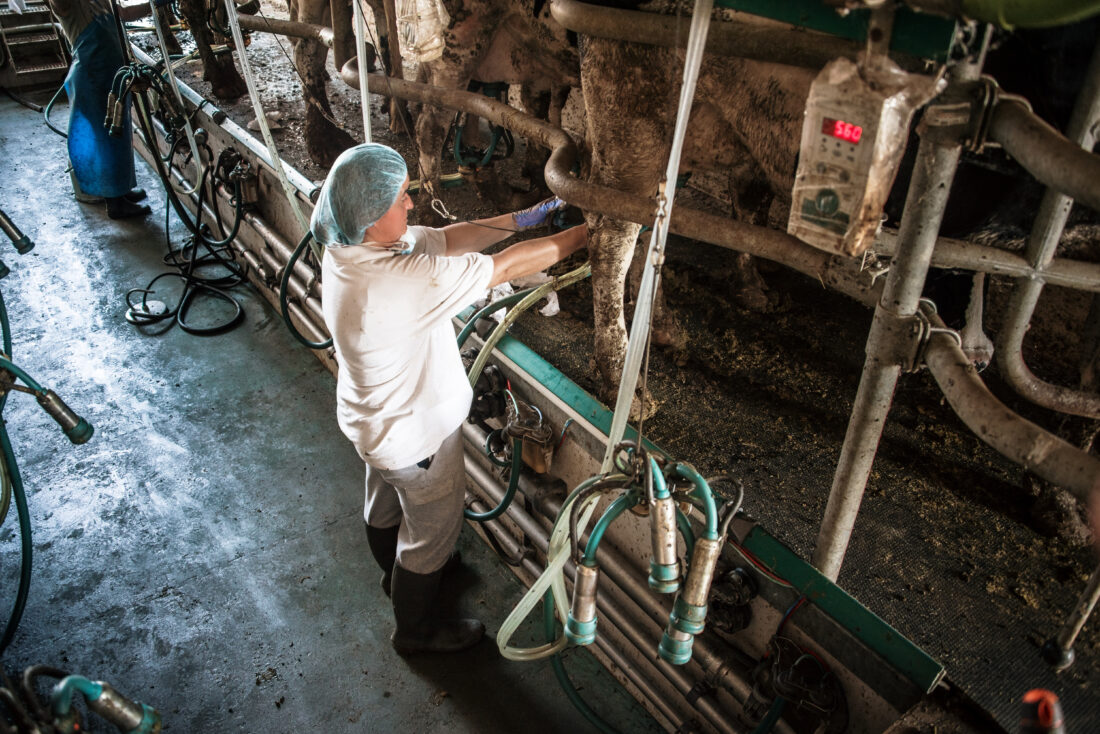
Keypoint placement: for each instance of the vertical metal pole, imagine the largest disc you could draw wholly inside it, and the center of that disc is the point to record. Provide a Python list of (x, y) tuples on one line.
[(1085, 604), (920, 224)]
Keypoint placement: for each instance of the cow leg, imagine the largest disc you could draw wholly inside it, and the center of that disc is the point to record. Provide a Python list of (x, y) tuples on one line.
[(751, 197), (665, 330), (432, 124), (323, 137), (225, 83), (166, 18), (610, 246)]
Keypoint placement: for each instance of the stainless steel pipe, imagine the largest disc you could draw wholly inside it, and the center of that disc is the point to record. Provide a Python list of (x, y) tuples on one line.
[(1021, 441), (952, 253), (933, 173), (762, 41), (1052, 159), (1045, 234), (289, 28)]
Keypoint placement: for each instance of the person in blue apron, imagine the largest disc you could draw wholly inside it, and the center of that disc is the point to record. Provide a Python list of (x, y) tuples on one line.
[(103, 165)]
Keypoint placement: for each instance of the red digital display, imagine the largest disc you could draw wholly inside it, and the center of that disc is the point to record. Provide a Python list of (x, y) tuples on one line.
[(846, 131)]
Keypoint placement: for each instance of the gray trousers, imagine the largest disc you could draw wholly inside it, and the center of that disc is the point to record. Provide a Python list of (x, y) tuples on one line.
[(426, 503)]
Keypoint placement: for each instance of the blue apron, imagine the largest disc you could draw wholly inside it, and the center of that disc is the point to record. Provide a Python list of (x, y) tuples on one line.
[(103, 164)]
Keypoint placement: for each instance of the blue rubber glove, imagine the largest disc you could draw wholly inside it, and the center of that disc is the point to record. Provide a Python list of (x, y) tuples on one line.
[(533, 216)]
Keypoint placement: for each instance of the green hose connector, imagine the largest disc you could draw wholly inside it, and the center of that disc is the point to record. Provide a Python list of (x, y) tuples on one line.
[(664, 566), (664, 578), (676, 647), (563, 679), (76, 428), (130, 717), (580, 633), (688, 618), (580, 627)]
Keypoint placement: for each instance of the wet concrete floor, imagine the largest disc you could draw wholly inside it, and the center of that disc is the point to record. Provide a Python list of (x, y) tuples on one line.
[(204, 552)]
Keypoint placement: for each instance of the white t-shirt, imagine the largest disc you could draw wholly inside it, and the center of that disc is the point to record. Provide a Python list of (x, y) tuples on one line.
[(401, 388)]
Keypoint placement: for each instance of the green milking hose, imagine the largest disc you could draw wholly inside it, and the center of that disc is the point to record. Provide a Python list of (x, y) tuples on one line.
[(486, 310), (559, 670), (618, 507), (513, 484), (8, 457), (702, 491)]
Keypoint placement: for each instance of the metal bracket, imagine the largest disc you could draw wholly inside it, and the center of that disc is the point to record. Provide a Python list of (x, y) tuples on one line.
[(926, 308), (963, 113), (903, 340)]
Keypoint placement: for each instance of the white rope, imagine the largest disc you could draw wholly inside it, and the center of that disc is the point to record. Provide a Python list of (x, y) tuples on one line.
[(558, 552), (361, 50), (179, 100), (257, 107), (643, 310)]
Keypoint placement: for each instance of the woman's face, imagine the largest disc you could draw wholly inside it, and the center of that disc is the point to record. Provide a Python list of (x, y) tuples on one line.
[(394, 222)]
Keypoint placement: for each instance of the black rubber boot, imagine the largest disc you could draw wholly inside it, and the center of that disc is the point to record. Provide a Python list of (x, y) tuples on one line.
[(383, 546), (417, 630), (119, 207)]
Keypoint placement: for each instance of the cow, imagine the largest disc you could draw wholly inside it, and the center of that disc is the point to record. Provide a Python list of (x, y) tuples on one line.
[(746, 119), (494, 41)]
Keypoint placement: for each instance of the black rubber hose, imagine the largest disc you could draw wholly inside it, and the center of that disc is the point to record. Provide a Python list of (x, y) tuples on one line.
[(46, 113), (284, 295), (25, 538)]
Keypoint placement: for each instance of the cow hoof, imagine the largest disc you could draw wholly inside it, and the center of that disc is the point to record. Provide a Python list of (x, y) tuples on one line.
[(1056, 515), (639, 409), (755, 300)]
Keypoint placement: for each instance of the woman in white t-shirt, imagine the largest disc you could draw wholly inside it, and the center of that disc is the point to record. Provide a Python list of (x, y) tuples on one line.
[(390, 291)]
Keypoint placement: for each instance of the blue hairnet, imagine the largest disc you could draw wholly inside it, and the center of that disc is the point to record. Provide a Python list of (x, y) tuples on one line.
[(362, 185)]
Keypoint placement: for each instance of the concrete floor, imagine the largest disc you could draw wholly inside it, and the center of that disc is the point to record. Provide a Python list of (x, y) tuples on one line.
[(204, 552)]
